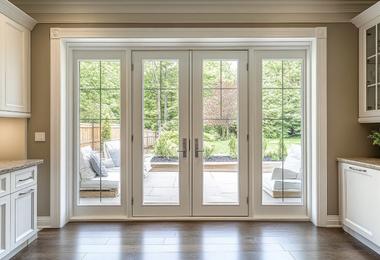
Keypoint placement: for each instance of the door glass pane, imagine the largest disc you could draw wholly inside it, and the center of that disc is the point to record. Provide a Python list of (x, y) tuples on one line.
[(371, 71), (220, 132), (161, 132), (99, 129), (370, 97), (371, 41), (282, 158)]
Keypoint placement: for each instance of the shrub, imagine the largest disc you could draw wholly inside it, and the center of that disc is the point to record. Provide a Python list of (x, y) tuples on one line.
[(106, 130), (167, 144), (208, 149), (232, 144)]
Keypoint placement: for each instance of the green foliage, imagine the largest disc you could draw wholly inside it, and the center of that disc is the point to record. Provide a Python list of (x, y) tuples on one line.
[(99, 90), (208, 149), (281, 102), (233, 147), (160, 93), (167, 144), (375, 137), (281, 98), (106, 130)]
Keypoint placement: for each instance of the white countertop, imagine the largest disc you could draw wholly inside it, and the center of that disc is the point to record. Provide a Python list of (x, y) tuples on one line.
[(372, 163), (14, 165)]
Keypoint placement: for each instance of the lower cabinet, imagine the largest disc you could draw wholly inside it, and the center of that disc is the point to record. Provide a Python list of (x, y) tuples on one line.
[(23, 209), (18, 212), (359, 202), (5, 225)]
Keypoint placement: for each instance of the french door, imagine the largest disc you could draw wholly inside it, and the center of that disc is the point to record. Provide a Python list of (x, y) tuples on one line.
[(190, 126)]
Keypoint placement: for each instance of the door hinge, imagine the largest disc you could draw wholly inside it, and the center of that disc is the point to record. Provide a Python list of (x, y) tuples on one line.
[(132, 200), (247, 66), (247, 200), (132, 138), (247, 137), (132, 67)]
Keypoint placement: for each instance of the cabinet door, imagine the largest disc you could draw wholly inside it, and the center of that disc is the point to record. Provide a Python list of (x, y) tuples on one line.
[(5, 232), (24, 217), (15, 91), (360, 209)]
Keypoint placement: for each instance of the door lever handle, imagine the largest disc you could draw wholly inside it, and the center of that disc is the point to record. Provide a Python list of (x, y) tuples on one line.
[(184, 148), (196, 150)]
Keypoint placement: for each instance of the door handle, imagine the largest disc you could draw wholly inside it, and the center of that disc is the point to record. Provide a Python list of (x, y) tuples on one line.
[(197, 151), (184, 148)]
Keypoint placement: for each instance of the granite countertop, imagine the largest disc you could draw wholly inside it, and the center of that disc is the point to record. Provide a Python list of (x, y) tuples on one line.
[(372, 163), (14, 165)]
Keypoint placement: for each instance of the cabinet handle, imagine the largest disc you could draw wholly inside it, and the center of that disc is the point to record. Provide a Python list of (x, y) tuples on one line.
[(357, 169), (31, 177), (24, 193)]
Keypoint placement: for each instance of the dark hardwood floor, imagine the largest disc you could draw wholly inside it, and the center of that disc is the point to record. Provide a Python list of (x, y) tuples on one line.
[(195, 240)]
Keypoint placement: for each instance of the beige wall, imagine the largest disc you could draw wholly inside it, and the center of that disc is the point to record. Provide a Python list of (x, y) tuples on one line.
[(346, 137), (13, 138)]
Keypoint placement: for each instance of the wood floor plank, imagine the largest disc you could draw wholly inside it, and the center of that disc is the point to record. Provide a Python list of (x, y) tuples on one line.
[(195, 240)]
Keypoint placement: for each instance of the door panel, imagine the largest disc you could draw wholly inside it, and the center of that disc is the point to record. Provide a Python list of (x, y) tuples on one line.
[(220, 151), (161, 184), (279, 173), (99, 88)]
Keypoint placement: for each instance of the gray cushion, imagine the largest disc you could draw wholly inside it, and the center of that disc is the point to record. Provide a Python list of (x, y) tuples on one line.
[(97, 166), (85, 169), (113, 151)]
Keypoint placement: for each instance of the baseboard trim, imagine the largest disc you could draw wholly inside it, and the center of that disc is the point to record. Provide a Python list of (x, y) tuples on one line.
[(333, 221), (43, 222), (362, 239)]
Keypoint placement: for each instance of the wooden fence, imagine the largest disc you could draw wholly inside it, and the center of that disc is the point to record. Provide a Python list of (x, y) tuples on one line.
[(90, 135)]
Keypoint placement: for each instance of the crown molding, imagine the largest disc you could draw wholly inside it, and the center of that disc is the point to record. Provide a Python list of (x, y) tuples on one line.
[(366, 16), (186, 34), (194, 6), (193, 18), (16, 14), (235, 10)]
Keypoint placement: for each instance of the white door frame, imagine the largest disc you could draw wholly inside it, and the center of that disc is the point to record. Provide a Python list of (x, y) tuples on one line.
[(184, 206), (251, 38), (282, 210), (199, 208), (96, 210)]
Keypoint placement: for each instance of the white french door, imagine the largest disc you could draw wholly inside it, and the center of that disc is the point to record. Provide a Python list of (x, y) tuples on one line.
[(190, 126), (219, 133), (161, 151), (280, 150), (99, 120)]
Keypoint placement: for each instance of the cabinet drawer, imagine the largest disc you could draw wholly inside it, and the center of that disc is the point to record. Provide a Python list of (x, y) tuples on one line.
[(23, 178), (5, 184), (23, 215)]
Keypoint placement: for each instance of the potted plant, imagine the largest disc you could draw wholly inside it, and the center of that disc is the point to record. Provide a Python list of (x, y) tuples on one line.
[(375, 137)]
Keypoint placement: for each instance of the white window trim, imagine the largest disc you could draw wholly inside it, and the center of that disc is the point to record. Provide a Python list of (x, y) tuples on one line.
[(60, 153)]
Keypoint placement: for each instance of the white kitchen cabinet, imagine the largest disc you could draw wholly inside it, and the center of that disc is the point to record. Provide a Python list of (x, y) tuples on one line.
[(15, 90), (5, 225), (18, 210), (359, 200), (23, 212), (368, 23), (15, 27)]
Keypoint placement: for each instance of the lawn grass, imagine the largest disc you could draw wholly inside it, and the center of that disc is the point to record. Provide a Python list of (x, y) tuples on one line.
[(221, 147)]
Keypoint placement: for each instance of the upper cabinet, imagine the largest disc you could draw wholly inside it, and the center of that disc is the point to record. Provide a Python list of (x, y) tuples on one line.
[(368, 23), (15, 27)]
